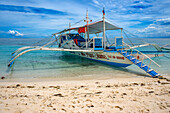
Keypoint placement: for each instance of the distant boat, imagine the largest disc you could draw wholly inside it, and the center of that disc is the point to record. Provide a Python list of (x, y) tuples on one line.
[(87, 43)]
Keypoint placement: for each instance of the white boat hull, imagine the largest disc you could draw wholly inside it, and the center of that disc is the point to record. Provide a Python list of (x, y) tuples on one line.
[(110, 58)]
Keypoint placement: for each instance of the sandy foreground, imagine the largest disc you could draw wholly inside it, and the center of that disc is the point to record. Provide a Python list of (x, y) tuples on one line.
[(126, 95)]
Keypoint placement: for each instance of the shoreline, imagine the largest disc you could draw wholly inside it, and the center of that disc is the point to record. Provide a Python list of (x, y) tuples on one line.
[(108, 95)]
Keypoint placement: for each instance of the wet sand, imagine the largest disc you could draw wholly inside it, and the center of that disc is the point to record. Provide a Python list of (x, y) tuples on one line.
[(126, 95)]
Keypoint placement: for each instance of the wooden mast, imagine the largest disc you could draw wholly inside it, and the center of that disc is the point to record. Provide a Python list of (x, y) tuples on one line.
[(104, 36), (69, 26), (86, 28), (87, 21)]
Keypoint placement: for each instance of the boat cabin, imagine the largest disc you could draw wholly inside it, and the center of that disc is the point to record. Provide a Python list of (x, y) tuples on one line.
[(76, 40)]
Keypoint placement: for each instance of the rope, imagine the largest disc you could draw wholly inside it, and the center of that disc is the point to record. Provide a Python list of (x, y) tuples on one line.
[(135, 36), (128, 38), (112, 22), (42, 40), (78, 22), (107, 39)]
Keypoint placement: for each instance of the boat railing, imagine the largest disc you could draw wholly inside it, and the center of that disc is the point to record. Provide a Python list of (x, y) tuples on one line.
[(87, 43), (143, 55)]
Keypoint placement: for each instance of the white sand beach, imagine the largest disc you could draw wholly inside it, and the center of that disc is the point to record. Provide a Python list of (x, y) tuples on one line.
[(126, 95)]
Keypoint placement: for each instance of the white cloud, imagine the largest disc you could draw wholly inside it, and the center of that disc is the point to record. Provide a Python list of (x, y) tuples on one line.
[(160, 27), (18, 34), (15, 33), (11, 32), (96, 2), (164, 21), (149, 28)]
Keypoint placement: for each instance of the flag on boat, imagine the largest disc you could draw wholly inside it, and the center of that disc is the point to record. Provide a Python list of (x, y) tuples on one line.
[(103, 11), (81, 30)]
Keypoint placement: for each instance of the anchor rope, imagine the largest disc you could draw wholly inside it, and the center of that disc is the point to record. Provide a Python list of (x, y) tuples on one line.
[(128, 38)]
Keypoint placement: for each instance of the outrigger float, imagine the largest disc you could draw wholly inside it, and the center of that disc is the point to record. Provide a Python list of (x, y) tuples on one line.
[(97, 47)]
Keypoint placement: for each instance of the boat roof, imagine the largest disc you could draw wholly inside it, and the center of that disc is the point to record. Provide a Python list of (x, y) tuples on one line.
[(93, 28)]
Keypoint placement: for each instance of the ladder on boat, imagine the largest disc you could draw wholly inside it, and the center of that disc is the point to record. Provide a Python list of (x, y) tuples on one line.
[(140, 63)]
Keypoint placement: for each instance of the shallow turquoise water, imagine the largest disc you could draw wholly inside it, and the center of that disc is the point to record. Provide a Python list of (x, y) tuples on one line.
[(39, 64)]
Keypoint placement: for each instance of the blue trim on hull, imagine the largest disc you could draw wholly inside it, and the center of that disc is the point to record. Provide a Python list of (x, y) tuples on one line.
[(111, 63)]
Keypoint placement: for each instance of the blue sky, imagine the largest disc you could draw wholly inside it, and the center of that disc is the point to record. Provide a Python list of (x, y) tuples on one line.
[(41, 18)]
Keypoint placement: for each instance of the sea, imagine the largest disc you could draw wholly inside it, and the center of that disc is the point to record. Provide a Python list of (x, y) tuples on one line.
[(55, 64)]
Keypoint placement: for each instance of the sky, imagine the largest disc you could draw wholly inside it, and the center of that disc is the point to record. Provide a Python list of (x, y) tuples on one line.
[(41, 18)]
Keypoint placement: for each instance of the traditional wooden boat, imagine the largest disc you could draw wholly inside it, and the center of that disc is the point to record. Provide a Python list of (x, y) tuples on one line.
[(90, 42)]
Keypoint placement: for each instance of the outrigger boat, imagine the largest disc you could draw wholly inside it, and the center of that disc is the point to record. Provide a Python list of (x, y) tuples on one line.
[(96, 47)]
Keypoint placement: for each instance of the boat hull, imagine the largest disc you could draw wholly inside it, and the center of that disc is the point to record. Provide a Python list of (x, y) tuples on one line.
[(109, 58)]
